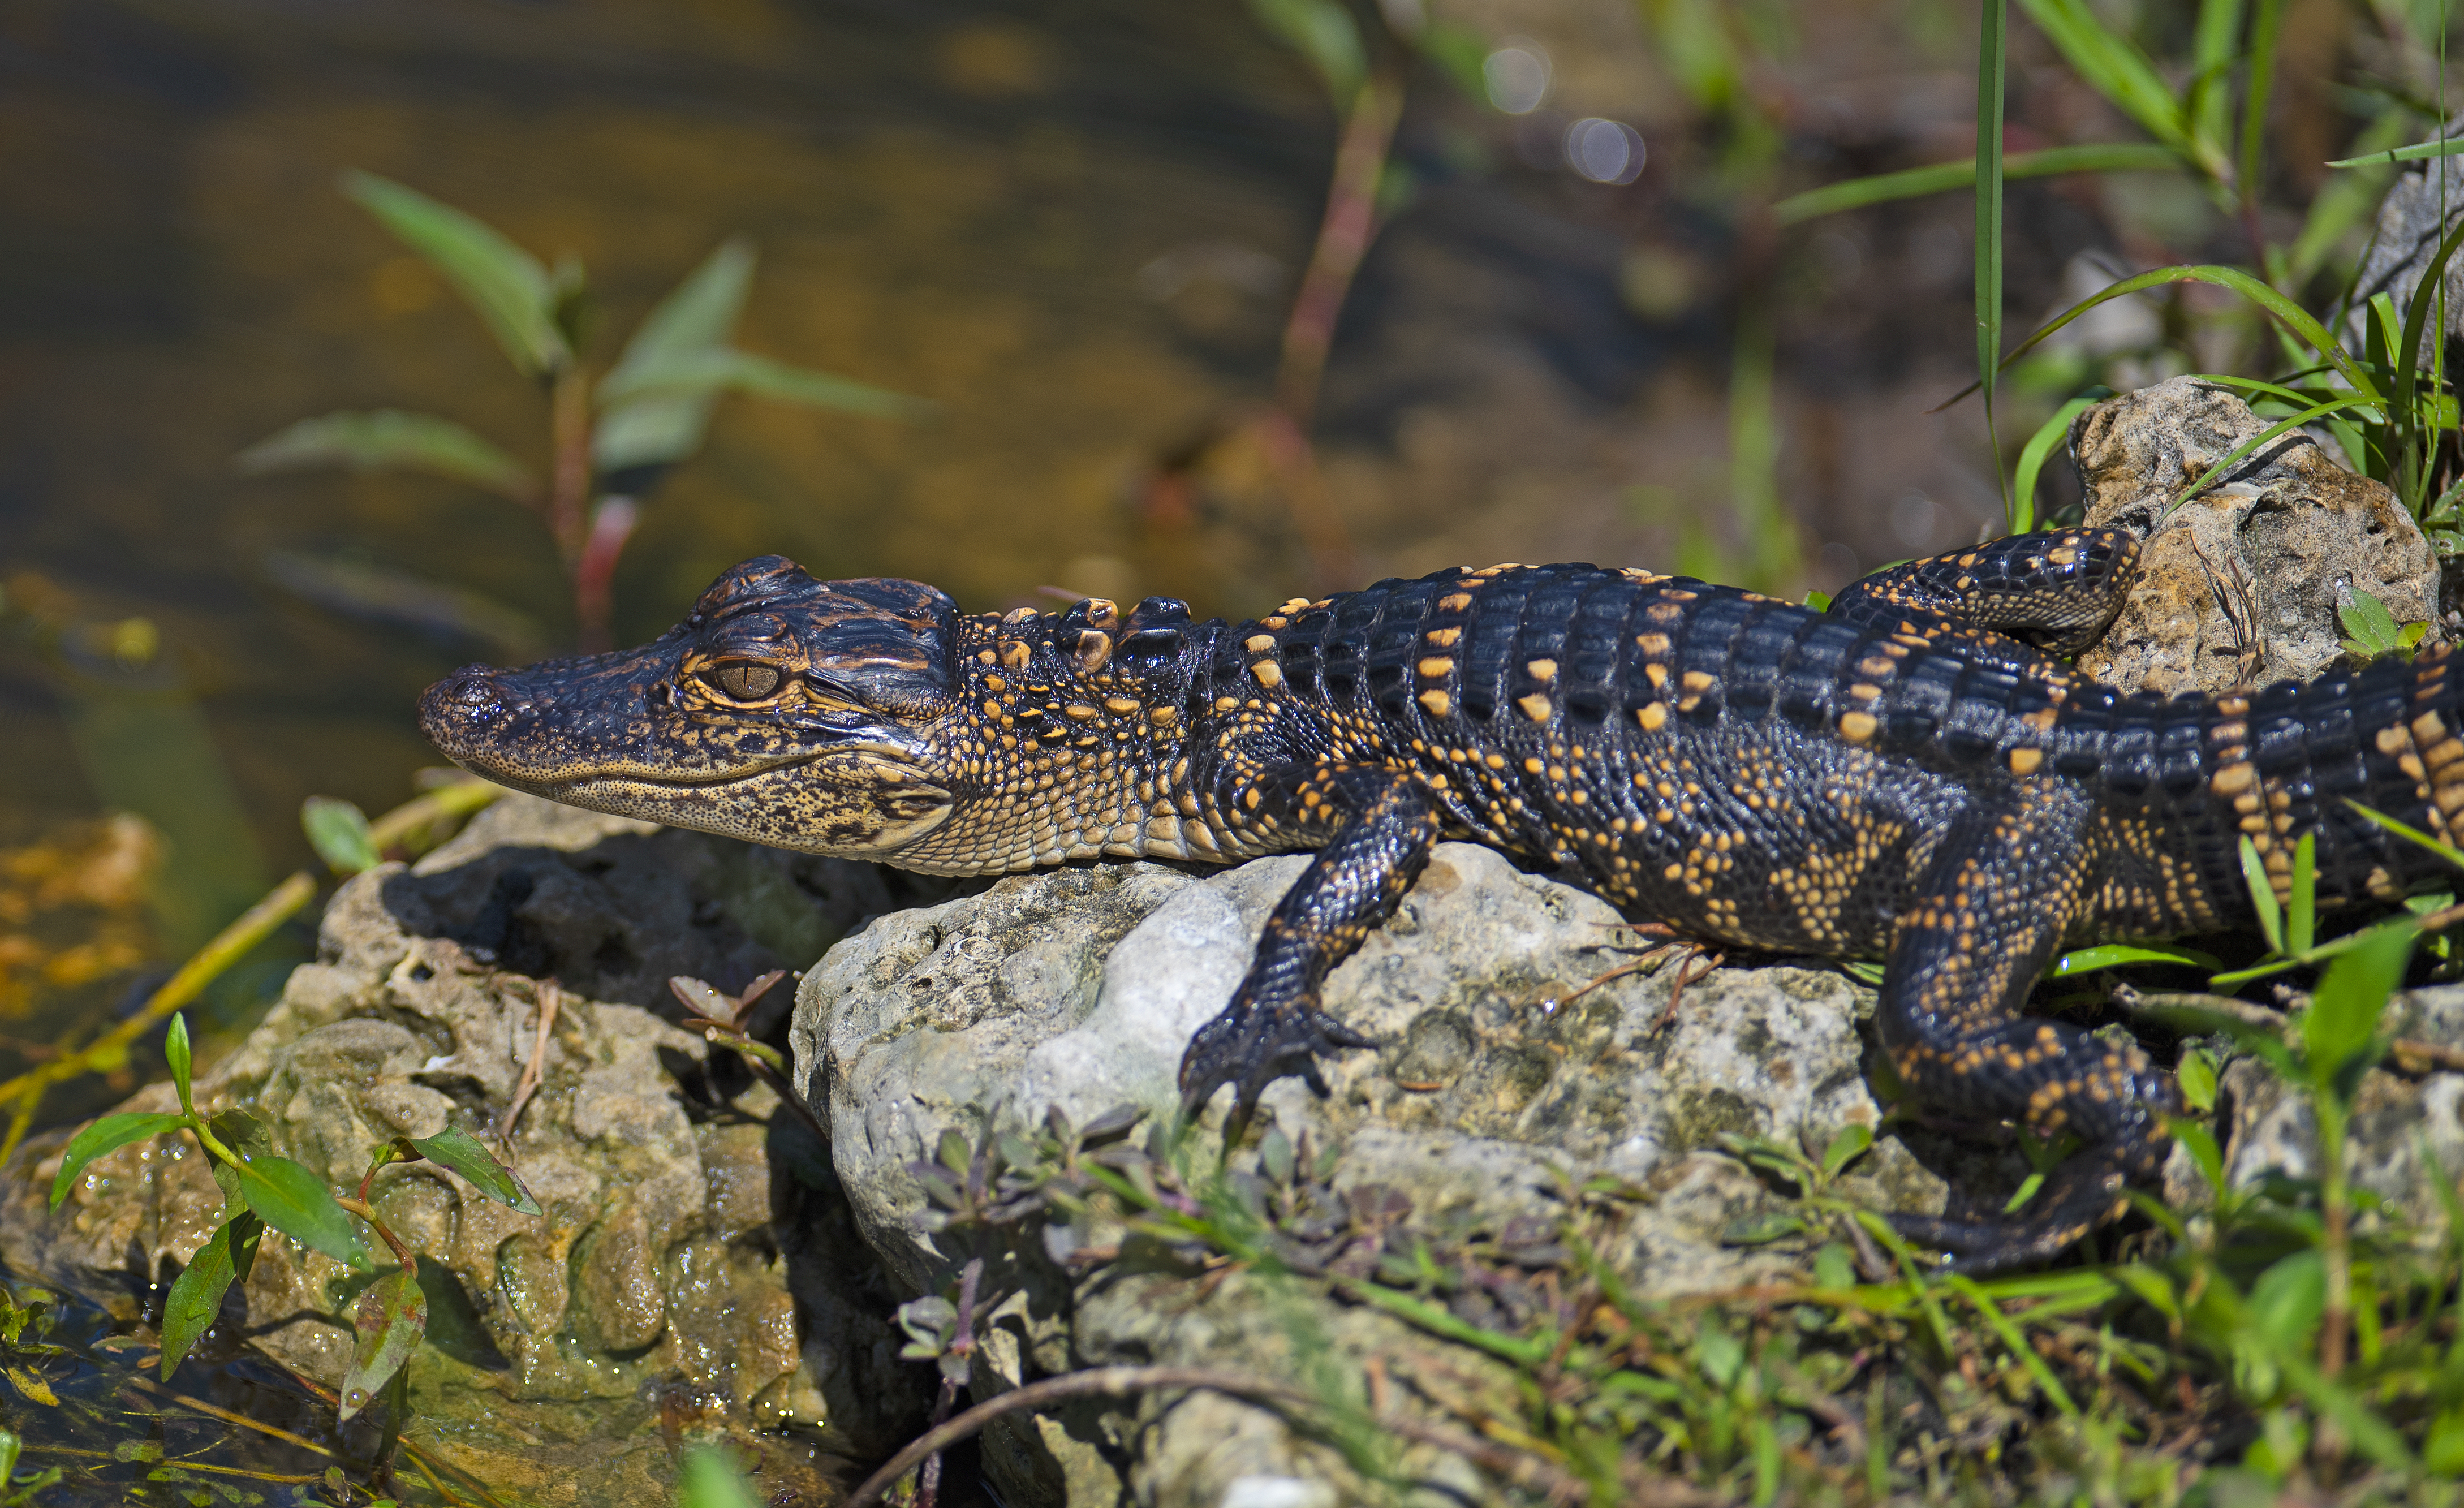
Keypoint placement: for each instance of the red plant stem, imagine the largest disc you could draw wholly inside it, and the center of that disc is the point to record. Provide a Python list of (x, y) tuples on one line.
[(594, 573), (1343, 238)]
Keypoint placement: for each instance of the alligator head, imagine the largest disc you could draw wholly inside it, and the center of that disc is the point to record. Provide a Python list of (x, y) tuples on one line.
[(784, 709)]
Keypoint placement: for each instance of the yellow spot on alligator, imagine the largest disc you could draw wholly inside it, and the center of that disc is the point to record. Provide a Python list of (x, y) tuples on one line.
[(1653, 644), (1443, 638), (1258, 644), (1535, 706), (2234, 779), (2391, 741), (1269, 674), (1077, 711), (1436, 667), (1652, 715), (1695, 681), (2024, 761), (1439, 703), (1120, 705), (1454, 601), (1543, 669), (1857, 727)]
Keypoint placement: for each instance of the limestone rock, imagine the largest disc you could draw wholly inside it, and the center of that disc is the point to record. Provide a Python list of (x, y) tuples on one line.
[(658, 1266), (1500, 1077), (2244, 579)]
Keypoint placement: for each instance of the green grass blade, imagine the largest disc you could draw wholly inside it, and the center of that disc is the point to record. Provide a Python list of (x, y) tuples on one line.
[(2301, 916), (2213, 44), (2263, 896), (1942, 178), (2114, 66), (2250, 169), (2447, 147), (2033, 456), (2235, 456), (1990, 80), (2300, 321), (2113, 956), (2444, 850), (2346, 198), (1992, 1315)]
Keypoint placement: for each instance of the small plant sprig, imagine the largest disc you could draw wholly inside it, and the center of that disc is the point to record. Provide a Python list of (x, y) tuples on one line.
[(609, 434), (262, 1192)]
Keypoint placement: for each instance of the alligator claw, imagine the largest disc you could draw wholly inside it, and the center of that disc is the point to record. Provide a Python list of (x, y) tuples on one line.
[(1252, 1044)]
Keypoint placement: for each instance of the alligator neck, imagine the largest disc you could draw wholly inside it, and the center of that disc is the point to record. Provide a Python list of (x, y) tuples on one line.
[(1075, 735)]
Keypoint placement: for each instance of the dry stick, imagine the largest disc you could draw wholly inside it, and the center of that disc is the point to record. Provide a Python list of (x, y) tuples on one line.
[(228, 945), (2408, 1055), (551, 999), (200, 1405), (1115, 1382)]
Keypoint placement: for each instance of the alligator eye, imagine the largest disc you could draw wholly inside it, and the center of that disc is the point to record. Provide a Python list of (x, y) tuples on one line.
[(746, 682)]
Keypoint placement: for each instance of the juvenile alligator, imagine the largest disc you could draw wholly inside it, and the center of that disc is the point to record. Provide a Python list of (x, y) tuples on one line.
[(1912, 776)]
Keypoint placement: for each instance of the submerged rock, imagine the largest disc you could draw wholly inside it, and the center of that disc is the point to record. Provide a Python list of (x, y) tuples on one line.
[(2241, 585), (681, 1268)]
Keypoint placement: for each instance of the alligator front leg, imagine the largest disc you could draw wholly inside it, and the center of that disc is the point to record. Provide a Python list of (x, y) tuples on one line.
[(1998, 894), (1378, 826)]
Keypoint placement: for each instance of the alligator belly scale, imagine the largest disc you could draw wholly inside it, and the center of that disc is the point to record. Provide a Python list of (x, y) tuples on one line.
[(1913, 776)]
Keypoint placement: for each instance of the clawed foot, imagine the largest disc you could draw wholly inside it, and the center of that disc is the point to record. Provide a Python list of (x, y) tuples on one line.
[(2082, 1195), (1250, 1046)]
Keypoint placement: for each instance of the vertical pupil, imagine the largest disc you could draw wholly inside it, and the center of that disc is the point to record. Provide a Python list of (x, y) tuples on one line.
[(748, 681)]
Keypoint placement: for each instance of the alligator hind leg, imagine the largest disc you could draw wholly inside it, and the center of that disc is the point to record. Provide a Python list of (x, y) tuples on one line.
[(1378, 826), (1997, 895), (2055, 591)]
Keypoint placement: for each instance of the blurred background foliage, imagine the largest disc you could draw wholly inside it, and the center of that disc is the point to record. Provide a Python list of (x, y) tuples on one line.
[(1222, 301)]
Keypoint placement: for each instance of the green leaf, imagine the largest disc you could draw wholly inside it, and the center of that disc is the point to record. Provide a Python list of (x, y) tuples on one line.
[(1323, 32), (458, 1150), (2263, 895), (391, 1319), (698, 315), (2345, 1011), (2197, 1075), (388, 439), (196, 1297), (2151, 1288), (710, 1480), (2114, 66), (2371, 628), (295, 1201), (1941, 178), (2109, 955), (504, 284), (339, 830), (107, 1135), (175, 1053), (1847, 1144), (648, 416), (659, 413)]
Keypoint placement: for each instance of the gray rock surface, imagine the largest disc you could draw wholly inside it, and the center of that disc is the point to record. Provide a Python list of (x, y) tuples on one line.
[(2424, 202), (660, 1266), (2243, 581), (1499, 1079)]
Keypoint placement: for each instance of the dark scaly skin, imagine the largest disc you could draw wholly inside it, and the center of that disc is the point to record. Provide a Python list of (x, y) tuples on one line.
[(1912, 776)]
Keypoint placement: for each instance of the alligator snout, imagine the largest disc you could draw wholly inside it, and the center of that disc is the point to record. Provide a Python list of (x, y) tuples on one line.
[(470, 702)]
